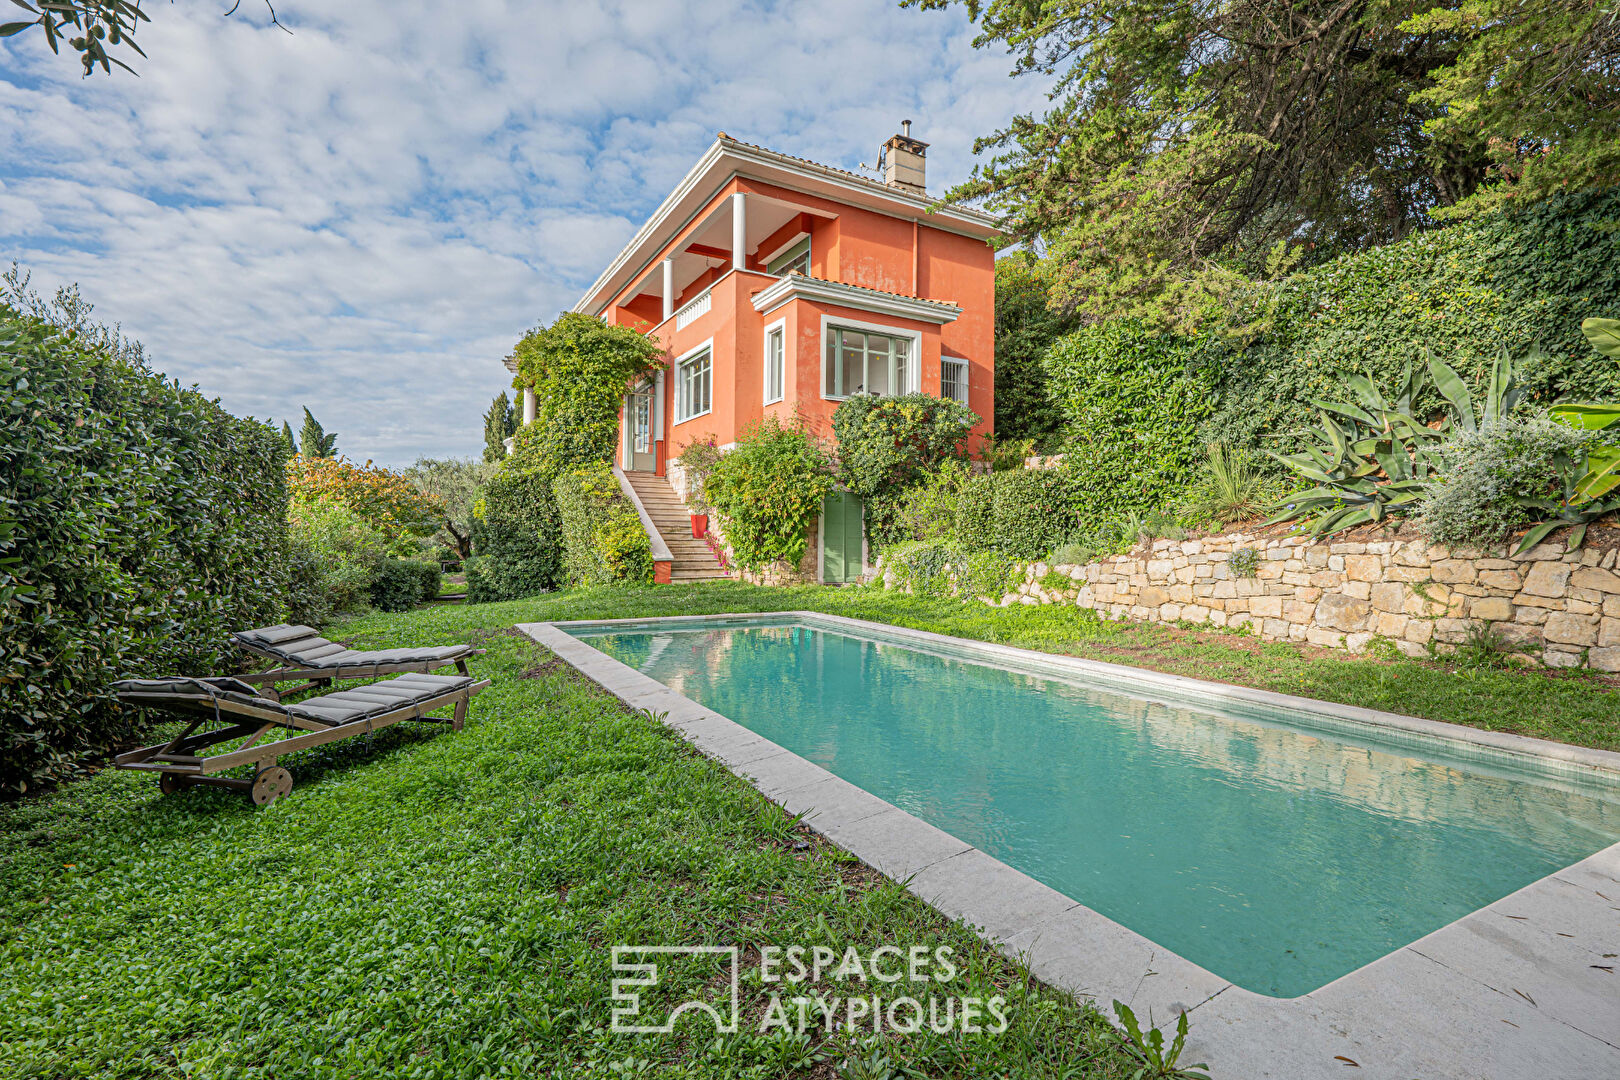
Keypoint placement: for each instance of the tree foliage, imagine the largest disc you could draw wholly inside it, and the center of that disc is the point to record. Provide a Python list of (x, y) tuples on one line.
[(386, 500), (288, 443), (500, 424), (1187, 140), (455, 483), (313, 441), (1026, 325), (887, 444), (93, 27)]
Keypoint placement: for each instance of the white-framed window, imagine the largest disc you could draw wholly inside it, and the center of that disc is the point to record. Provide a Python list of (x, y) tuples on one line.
[(775, 360), (694, 378), (865, 358), (953, 379), (796, 257)]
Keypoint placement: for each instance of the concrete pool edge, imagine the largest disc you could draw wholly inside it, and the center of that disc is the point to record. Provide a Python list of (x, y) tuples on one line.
[(1511, 989)]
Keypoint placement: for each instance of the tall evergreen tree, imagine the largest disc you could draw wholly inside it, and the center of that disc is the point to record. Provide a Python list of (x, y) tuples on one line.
[(288, 440), (313, 440), (500, 423)]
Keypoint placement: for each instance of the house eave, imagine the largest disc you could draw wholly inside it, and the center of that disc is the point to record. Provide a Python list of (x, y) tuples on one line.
[(799, 287)]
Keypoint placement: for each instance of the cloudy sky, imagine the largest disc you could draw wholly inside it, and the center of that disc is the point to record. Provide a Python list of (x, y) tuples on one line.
[(363, 216)]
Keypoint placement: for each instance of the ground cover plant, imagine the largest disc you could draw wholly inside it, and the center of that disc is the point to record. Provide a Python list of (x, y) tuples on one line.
[(429, 904)]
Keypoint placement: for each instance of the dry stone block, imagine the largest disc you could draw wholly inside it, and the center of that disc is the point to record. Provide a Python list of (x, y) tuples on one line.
[(1297, 611), (1391, 625), (1604, 659), (1590, 577), (1501, 579), (1360, 590), (1493, 608), (1275, 629), (1152, 596), (1560, 659), (1568, 629), (1363, 568), (1344, 613), (1530, 616), (1323, 637), (1267, 606), (1389, 596), (1453, 571), (1420, 631)]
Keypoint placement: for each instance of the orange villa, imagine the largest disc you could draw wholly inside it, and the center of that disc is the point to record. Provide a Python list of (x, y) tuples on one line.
[(780, 287)]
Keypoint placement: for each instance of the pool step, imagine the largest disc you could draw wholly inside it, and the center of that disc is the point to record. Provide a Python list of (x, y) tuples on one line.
[(692, 559)]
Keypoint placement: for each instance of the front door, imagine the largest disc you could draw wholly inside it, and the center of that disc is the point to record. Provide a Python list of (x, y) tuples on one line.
[(841, 528), (639, 409)]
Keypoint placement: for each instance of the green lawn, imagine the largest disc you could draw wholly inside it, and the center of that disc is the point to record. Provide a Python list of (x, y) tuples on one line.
[(435, 904), (428, 903)]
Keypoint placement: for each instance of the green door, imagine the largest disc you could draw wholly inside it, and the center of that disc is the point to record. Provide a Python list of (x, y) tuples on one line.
[(841, 527)]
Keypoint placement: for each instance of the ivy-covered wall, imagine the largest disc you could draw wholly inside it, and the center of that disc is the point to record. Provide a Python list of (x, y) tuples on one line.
[(603, 538)]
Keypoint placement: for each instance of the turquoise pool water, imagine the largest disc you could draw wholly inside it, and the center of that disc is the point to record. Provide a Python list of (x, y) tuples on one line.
[(1275, 856)]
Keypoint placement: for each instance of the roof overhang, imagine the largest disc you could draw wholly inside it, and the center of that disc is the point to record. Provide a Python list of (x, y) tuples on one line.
[(728, 158), (799, 287)]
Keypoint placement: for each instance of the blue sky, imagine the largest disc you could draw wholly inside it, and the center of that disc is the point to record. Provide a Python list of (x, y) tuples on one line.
[(364, 216)]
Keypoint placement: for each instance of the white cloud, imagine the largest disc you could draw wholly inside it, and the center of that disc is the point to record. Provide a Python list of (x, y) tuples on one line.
[(363, 216)]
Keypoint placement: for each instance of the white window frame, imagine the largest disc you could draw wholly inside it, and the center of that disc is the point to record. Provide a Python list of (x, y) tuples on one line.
[(681, 415), (959, 362), (828, 322), (777, 327)]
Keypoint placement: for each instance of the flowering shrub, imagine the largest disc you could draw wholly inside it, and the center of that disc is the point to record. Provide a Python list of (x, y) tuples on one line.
[(386, 500)]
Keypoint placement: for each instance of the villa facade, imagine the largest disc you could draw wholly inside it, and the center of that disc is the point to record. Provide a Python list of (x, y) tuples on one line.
[(780, 287)]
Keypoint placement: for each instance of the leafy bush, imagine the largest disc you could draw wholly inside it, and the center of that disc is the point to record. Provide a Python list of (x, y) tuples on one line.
[(889, 444), (345, 551), (603, 538), (769, 491), (1026, 326), (1132, 401), (140, 524), (401, 584), (1489, 477), (928, 510), (1032, 511), (975, 525), (519, 537), (387, 500), (936, 568)]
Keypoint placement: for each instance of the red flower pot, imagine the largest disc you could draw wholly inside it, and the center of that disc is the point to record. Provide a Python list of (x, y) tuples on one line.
[(700, 525)]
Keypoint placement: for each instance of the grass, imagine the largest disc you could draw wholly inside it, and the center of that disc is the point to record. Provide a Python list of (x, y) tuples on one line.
[(430, 904), (437, 904)]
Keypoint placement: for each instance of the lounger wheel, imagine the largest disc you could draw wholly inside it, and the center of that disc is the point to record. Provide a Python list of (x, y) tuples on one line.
[(169, 783), (270, 784)]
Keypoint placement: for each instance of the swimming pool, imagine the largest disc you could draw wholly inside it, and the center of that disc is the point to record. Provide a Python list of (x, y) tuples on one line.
[(1279, 852)]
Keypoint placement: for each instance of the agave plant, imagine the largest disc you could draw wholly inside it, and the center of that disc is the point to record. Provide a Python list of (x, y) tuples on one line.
[(1373, 460), (1572, 507)]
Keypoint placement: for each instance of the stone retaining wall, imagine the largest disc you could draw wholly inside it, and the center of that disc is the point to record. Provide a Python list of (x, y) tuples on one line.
[(1558, 607)]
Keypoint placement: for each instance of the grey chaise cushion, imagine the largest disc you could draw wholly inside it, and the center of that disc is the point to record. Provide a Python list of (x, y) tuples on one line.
[(339, 707), (303, 647)]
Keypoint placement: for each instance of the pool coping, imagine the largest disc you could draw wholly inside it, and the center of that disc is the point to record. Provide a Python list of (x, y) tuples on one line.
[(1515, 989)]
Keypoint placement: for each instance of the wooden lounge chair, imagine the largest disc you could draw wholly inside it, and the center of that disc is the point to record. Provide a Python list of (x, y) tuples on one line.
[(223, 710), (303, 654)]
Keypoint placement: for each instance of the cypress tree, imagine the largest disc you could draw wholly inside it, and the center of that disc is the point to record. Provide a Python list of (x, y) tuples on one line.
[(314, 441), (288, 440), (500, 423)]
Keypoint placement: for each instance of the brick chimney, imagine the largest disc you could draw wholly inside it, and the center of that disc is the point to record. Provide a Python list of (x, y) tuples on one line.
[(903, 161)]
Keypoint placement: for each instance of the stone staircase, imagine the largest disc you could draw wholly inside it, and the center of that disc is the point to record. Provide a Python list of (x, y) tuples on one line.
[(692, 559)]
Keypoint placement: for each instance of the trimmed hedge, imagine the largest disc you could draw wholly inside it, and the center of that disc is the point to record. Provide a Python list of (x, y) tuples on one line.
[(1132, 403), (401, 584), (519, 539), (603, 539), (141, 523), (1023, 514)]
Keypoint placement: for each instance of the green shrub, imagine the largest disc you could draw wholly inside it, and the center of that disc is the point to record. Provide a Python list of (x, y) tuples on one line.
[(401, 584), (699, 459), (1032, 510), (1486, 477), (927, 511), (769, 491), (519, 537), (603, 538), (1132, 401), (936, 568), (889, 444), (345, 550), (976, 513), (140, 524), (1231, 485), (478, 590)]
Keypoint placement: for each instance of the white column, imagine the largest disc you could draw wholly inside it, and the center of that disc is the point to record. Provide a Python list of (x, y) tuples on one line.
[(739, 230), (528, 404), (669, 287)]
